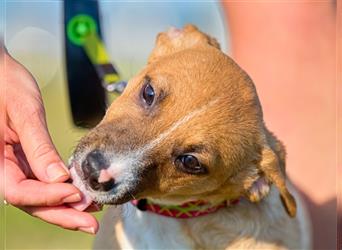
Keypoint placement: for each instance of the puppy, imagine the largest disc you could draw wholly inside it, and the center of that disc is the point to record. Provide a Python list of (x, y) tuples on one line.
[(186, 141)]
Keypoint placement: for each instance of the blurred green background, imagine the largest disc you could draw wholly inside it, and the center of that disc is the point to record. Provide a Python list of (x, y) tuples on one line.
[(33, 34)]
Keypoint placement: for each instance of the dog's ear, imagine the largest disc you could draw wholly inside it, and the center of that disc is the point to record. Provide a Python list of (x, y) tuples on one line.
[(201, 37), (175, 40), (272, 165)]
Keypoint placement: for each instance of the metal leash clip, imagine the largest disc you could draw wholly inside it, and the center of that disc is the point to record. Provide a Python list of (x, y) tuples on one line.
[(117, 87)]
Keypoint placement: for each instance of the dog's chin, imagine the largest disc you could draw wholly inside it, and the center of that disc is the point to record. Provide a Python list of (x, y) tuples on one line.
[(112, 199), (122, 192), (117, 196)]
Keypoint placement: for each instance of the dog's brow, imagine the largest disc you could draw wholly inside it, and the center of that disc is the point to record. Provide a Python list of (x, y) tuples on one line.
[(147, 79), (193, 148), (176, 125)]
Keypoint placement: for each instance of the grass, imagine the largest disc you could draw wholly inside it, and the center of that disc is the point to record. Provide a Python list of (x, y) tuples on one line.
[(26, 232)]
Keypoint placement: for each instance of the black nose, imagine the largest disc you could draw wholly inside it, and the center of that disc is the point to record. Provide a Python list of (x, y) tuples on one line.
[(92, 166), (94, 162)]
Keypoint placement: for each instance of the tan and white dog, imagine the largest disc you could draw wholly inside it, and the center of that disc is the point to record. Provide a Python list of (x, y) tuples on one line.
[(189, 127)]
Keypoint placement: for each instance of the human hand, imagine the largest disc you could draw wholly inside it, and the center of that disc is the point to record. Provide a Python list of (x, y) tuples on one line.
[(34, 173)]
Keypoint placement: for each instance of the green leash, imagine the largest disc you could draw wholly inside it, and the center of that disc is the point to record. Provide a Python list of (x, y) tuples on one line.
[(82, 31)]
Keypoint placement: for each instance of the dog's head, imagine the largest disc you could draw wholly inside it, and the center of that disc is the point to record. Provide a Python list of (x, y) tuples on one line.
[(189, 126)]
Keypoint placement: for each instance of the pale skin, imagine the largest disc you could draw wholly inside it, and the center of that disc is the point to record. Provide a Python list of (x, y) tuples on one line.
[(34, 173), (288, 49)]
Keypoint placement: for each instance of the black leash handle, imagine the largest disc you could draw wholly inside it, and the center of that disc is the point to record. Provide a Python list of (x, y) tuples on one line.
[(90, 74)]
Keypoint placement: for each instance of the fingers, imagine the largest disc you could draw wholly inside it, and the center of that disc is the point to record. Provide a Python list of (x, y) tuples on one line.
[(44, 200), (35, 193), (20, 191), (65, 217), (40, 152)]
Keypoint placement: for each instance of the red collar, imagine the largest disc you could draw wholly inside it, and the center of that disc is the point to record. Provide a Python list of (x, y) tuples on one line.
[(186, 210)]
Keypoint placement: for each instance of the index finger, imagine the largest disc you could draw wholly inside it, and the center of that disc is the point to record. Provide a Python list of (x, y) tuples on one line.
[(40, 152)]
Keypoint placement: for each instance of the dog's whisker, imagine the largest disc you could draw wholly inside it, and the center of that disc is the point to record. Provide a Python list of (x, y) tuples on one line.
[(131, 195)]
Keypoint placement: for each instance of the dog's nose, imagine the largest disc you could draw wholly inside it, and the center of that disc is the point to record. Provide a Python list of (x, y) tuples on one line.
[(101, 186), (94, 161), (94, 164)]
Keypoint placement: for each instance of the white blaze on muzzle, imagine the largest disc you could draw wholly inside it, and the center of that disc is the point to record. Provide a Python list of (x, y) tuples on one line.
[(121, 167)]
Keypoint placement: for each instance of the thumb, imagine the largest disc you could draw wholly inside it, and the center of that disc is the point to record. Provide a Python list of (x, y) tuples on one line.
[(39, 150)]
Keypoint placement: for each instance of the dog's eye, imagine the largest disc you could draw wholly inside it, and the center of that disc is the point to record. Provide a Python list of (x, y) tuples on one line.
[(148, 94), (190, 165)]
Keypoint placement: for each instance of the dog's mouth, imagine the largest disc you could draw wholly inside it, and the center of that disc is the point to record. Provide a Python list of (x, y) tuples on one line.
[(107, 193), (87, 199)]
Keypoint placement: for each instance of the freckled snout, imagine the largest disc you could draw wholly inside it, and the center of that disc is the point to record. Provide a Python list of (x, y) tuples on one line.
[(94, 168)]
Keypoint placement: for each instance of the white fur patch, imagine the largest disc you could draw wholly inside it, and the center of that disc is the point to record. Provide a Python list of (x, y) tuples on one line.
[(144, 230), (245, 226)]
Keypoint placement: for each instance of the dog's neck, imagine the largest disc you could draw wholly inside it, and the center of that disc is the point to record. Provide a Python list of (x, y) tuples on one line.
[(228, 226), (185, 210)]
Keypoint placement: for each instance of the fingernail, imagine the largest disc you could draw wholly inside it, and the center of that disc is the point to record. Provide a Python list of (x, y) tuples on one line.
[(55, 171), (65, 167), (89, 230), (72, 198)]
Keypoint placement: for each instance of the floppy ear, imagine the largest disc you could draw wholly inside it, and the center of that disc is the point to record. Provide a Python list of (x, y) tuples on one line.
[(272, 164)]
